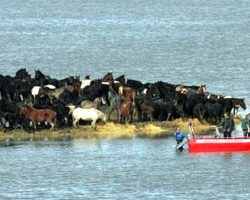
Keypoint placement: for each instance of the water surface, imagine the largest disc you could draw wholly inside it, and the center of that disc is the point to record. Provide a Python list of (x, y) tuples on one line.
[(190, 42), (119, 169)]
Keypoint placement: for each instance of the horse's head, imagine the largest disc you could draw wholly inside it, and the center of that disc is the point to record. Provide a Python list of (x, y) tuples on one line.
[(202, 89), (97, 101), (153, 92), (121, 79), (108, 77), (71, 108), (76, 83), (87, 77), (181, 89), (236, 102), (22, 74), (24, 109), (39, 75), (242, 104)]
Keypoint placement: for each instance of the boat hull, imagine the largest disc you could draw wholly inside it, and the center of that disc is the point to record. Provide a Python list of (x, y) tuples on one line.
[(211, 144)]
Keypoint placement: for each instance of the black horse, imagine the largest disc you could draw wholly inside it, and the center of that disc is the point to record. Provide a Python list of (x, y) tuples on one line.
[(22, 74)]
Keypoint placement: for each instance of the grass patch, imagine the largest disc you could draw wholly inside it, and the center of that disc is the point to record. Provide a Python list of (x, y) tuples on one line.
[(112, 130)]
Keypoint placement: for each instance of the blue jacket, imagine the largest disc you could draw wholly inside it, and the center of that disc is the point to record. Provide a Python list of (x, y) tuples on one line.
[(179, 136)]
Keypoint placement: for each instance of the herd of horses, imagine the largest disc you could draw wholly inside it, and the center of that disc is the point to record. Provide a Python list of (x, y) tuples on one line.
[(28, 102)]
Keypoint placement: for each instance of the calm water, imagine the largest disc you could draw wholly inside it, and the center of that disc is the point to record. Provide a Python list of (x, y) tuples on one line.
[(120, 169), (190, 42)]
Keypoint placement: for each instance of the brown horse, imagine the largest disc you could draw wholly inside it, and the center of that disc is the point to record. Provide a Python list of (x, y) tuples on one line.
[(108, 77), (39, 115), (76, 84), (127, 93), (126, 110), (201, 89)]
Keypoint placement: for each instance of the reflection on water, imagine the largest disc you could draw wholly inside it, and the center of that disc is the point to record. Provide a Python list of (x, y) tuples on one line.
[(119, 169)]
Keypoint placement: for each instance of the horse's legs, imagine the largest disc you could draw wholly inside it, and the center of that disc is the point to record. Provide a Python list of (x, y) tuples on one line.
[(139, 115), (110, 112), (121, 118), (118, 113), (132, 115), (52, 126), (75, 122), (151, 117), (169, 114), (93, 125), (34, 125)]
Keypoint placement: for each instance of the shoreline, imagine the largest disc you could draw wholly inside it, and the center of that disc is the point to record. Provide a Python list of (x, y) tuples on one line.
[(111, 130)]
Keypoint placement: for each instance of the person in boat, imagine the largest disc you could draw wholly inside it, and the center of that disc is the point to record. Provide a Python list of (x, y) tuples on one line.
[(245, 125), (228, 125), (179, 137)]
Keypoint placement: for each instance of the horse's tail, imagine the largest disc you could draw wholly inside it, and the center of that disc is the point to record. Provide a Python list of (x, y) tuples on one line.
[(101, 115)]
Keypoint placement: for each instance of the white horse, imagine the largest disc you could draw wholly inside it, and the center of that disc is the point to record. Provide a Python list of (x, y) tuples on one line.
[(35, 90), (85, 83), (90, 114)]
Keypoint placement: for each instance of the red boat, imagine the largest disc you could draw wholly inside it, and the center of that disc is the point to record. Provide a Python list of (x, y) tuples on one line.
[(213, 144)]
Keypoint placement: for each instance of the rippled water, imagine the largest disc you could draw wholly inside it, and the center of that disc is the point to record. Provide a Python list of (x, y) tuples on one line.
[(120, 169), (190, 42)]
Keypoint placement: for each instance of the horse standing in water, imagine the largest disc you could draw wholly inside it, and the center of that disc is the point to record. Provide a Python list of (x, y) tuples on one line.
[(39, 115)]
